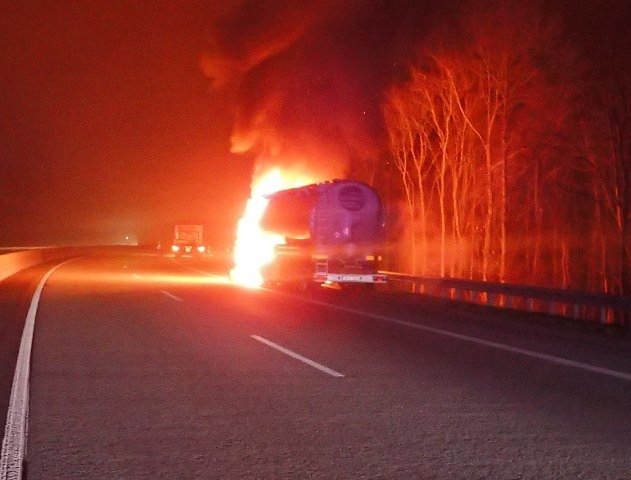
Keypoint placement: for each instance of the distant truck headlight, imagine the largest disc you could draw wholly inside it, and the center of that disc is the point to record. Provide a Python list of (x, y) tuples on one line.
[(201, 248), (175, 248)]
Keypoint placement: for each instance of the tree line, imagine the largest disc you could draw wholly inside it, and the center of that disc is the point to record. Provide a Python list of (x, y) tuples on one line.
[(511, 152)]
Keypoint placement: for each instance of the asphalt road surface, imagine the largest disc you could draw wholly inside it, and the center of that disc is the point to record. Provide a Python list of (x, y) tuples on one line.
[(146, 367)]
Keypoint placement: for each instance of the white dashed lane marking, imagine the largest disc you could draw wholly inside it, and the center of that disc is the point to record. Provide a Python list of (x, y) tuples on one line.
[(170, 295), (295, 355)]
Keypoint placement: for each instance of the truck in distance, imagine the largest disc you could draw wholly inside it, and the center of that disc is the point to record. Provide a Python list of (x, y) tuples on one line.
[(189, 240)]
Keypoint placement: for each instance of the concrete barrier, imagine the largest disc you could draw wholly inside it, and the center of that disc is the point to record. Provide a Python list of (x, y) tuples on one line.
[(11, 263)]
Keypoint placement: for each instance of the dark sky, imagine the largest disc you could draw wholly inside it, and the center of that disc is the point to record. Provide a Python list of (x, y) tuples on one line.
[(120, 116), (107, 122)]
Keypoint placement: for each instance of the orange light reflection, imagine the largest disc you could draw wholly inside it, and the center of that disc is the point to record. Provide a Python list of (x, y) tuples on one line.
[(126, 278)]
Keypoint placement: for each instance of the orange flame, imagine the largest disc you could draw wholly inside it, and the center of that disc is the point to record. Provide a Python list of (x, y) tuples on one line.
[(254, 247)]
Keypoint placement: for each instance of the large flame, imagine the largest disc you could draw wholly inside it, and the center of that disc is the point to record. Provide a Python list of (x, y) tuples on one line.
[(254, 247)]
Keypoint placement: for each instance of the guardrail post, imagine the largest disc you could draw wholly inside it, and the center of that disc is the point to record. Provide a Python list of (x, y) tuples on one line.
[(530, 304), (576, 312)]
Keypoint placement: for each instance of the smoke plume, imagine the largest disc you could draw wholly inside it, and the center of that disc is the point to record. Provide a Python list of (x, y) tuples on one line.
[(310, 75)]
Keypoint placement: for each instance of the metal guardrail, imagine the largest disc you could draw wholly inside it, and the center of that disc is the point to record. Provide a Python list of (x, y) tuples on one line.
[(607, 310)]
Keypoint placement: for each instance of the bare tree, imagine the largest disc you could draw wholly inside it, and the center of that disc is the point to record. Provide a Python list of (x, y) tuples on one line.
[(606, 149), (473, 111), (409, 145)]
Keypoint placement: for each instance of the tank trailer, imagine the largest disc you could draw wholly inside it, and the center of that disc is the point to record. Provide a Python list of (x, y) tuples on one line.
[(333, 232)]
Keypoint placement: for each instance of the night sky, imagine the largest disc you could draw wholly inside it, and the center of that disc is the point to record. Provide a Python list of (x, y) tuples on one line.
[(108, 125), (122, 117)]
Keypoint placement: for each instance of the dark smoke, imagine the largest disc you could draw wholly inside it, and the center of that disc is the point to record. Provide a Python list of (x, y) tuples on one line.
[(311, 75)]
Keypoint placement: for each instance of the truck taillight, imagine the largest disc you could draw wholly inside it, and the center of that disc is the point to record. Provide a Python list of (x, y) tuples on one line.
[(379, 278), (319, 278)]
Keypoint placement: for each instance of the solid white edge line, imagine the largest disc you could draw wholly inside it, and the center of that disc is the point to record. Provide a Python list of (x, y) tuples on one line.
[(135, 275), (297, 356), (170, 295), (16, 428), (487, 343)]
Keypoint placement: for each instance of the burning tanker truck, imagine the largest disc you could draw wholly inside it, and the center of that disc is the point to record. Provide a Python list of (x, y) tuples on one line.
[(333, 233)]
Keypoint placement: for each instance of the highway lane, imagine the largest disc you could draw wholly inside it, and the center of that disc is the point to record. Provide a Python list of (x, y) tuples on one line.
[(144, 368)]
